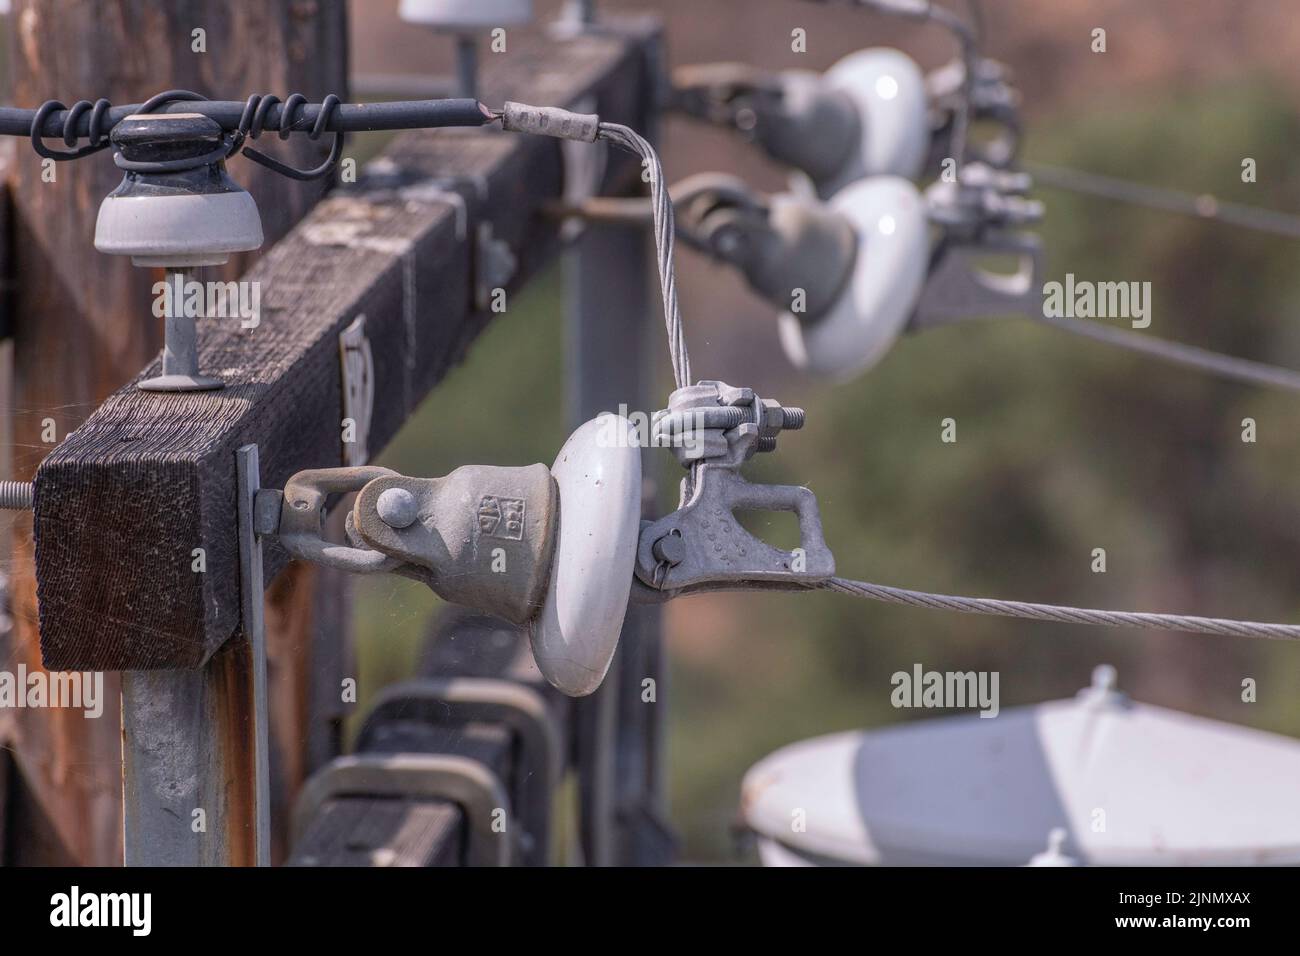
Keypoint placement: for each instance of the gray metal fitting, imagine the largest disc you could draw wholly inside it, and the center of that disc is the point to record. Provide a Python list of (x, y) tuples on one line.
[(716, 421)]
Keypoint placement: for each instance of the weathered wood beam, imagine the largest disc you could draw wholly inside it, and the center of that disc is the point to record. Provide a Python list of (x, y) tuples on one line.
[(150, 477)]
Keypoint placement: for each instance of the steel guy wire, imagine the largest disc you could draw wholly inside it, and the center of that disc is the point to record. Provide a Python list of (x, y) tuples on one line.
[(665, 244), (665, 239), (1203, 206), (1064, 615), (1186, 356)]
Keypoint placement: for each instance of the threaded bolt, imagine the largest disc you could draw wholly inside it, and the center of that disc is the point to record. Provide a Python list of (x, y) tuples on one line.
[(767, 443), (728, 417), (17, 495), (792, 418)]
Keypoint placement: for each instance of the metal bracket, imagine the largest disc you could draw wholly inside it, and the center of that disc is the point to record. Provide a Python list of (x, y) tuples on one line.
[(460, 780), (252, 611), (358, 372), (701, 545), (521, 709), (959, 288)]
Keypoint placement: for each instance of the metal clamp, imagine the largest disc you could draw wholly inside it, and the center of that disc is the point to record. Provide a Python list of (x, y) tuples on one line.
[(701, 546), (521, 709), (983, 213), (302, 511), (993, 100), (958, 287), (467, 783)]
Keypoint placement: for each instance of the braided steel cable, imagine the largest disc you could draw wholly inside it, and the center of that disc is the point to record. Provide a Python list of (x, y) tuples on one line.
[(665, 238), (1202, 206), (1064, 615), (1178, 353)]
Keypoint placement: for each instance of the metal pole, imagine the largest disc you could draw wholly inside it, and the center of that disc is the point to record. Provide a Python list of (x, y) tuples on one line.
[(188, 784), (467, 66), (608, 298), (580, 12)]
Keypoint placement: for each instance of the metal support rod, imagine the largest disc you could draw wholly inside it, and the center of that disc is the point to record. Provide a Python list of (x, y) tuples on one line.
[(181, 338), (181, 345), (252, 610), (467, 65), (180, 359)]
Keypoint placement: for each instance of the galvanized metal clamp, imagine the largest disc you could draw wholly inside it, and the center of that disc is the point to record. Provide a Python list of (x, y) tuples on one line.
[(982, 214), (714, 429)]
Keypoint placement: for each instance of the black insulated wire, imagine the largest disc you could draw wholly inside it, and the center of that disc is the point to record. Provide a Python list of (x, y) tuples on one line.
[(242, 121)]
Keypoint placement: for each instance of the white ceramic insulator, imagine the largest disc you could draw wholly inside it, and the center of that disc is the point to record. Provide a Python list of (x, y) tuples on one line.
[(466, 14), (889, 217), (598, 475), (888, 89)]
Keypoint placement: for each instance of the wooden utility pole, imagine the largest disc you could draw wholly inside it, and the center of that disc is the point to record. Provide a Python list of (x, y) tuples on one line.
[(83, 326)]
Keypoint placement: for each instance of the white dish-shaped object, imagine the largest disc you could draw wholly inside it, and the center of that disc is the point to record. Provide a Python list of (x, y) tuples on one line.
[(1171, 789), (598, 475), (889, 272), (192, 229), (466, 14), (888, 89)]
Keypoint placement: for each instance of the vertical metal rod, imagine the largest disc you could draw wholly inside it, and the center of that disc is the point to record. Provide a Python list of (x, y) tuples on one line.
[(181, 335), (467, 66), (252, 606), (580, 12), (180, 359)]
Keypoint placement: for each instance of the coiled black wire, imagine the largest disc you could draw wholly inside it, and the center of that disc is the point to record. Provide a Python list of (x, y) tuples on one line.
[(98, 135), (252, 124), (254, 117)]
